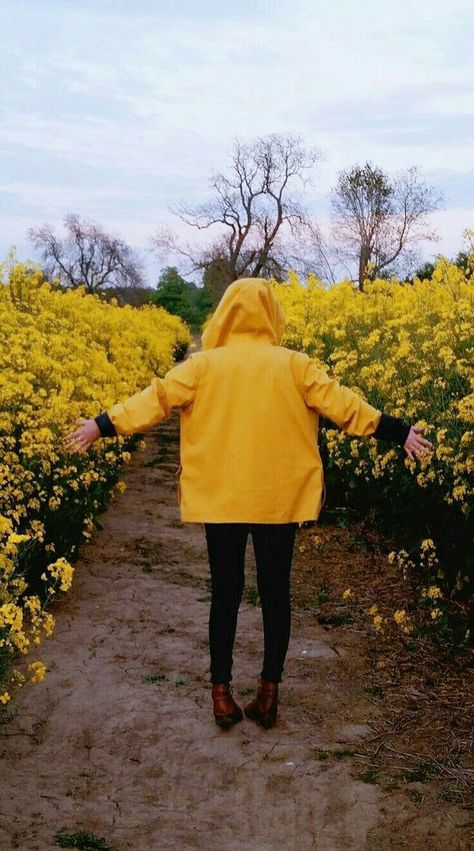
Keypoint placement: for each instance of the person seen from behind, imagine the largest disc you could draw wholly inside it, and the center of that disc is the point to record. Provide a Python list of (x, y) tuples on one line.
[(250, 464)]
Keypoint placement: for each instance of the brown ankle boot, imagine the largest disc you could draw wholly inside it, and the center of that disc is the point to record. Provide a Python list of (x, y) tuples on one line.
[(226, 710), (263, 709)]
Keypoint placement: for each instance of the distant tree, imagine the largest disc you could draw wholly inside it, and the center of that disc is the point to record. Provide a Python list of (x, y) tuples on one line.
[(423, 273), (217, 275), (204, 304), (182, 298), (464, 261), (135, 296), (259, 217), (378, 222), (87, 256), (172, 292)]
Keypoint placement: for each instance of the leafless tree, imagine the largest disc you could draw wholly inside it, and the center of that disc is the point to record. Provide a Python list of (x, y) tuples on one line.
[(87, 256), (255, 212), (378, 223)]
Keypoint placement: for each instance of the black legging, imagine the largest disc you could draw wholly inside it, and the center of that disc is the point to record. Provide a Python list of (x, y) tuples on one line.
[(273, 547)]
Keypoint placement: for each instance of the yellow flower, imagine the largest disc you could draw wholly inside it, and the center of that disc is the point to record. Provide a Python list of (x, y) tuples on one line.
[(17, 539), (37, 671), (347, 594), (434, 592), (401, 619), (62, 570)]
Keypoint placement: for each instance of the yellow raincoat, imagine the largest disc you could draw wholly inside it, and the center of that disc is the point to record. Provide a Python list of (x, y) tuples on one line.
[(249, 416)]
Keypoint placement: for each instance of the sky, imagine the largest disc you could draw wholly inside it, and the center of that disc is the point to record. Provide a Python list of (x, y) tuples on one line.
[(119, 110)]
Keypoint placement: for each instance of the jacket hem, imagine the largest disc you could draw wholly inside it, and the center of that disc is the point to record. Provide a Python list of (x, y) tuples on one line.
[(208, 519)]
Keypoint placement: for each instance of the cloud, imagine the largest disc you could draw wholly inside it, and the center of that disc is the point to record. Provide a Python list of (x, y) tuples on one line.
[(129, 111), (425, 114)]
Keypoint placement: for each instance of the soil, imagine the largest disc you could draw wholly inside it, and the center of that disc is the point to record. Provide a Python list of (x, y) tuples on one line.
[(119, 740)]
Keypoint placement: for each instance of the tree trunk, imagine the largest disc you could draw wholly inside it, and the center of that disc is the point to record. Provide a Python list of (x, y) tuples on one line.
[(364, 259)]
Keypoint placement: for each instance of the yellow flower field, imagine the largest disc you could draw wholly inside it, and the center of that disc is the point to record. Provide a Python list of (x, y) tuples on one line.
[(63, 355), (408, 349)]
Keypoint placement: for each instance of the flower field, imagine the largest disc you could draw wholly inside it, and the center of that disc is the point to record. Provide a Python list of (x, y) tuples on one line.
[(408, 349), (63, 355)]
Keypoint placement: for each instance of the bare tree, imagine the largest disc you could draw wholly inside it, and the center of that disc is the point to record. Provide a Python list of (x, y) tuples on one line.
[(87, 256), (378, 222), (255, 210)]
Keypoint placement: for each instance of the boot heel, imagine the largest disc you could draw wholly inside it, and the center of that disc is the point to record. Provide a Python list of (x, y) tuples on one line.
[(264, 708)]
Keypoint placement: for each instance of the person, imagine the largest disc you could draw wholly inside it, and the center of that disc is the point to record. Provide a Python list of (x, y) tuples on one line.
[(249, 464)]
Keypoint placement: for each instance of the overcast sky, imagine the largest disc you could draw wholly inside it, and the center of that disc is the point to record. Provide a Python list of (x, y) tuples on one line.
[(117, 110)]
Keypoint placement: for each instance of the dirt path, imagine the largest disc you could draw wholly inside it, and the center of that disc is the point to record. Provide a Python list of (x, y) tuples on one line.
[(97, 747)]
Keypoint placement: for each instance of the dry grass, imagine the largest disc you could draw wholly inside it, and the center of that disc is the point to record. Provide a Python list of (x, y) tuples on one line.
[(423, 690)]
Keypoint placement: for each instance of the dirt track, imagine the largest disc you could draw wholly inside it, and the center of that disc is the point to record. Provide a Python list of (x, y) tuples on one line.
[(97, 747)]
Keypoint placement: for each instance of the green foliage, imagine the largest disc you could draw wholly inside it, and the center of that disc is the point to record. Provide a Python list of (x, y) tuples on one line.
[(80, 839), (154, 678), (182, 298), (424, 273), (251, 595)]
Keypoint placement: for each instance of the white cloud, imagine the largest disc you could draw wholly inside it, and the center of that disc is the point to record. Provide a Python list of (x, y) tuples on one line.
[(129, 111)]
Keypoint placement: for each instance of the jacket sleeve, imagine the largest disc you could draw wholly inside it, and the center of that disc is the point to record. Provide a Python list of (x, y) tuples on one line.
[(106, 426), (347, 409), (153, 404)]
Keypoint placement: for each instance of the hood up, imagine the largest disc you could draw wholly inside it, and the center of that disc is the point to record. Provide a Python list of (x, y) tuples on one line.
[(248, 307)]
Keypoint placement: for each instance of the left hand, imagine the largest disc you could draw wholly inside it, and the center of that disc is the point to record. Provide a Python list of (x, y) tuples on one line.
[(83, 437), (416, 444)]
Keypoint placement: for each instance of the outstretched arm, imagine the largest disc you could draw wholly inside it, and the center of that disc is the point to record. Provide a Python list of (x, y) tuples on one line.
[(356, 416), (140, 411)]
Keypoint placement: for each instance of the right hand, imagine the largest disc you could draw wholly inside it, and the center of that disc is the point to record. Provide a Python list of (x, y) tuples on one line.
[(415, 444)]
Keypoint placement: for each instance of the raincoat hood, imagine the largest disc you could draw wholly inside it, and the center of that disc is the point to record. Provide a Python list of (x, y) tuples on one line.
[(249, 307)]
